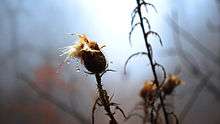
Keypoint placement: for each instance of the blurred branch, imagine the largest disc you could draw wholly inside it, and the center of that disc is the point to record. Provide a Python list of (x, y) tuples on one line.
[(17, 8), (9, 56), (193, 69), (12, 13), (190, 63), (195, 95), (218, 4), (194, 42), (213, 27), (53, 100), (13, 9)]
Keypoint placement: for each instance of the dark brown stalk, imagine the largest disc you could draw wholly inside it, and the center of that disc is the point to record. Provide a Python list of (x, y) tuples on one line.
[(104, 100), (151, 61)]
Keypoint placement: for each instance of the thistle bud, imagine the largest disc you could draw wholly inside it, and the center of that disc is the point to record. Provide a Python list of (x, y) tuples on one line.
[(171, 83), (88, 52), (148, 90), (94, 62)]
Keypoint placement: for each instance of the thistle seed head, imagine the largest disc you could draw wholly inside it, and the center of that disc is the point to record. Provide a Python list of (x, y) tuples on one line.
[(88, 52), (94, 62), (171, 83), (148, 90)]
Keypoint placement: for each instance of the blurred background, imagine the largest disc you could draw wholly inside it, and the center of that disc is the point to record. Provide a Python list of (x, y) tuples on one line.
[(34, 90)]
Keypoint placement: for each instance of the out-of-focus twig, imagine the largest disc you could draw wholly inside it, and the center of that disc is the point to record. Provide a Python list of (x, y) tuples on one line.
[(194, 97), (213, 27), (194, 42), (193, 69), (188, 60)]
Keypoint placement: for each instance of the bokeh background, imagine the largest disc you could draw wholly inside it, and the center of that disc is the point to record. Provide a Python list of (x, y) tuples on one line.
[(34, 90)]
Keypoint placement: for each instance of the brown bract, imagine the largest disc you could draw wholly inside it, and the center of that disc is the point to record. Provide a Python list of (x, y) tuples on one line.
[(148, 90), (171, 83)]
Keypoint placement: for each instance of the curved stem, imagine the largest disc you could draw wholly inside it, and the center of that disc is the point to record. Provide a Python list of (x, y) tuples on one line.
[(151, 62), (104, 99)]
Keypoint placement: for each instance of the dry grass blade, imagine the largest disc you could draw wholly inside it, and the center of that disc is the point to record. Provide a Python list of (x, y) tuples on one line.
[(154, 33), (150, 50), (136, 24), (148, 23), (148, 4), (133, 15), (164, 72), (134, 11), (133, 55), (132, 29), (144, 18)]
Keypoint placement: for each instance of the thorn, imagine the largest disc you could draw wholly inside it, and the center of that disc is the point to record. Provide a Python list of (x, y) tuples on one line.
[(132, 29), (154, 33), (131, 56)]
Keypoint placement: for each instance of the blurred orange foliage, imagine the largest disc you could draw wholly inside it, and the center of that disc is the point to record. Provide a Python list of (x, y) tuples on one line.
[(47, 78), (40, 112)]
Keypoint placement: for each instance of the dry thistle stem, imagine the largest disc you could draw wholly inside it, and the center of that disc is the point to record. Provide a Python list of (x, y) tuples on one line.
[(153, 93), (88, 52), (94, 61)]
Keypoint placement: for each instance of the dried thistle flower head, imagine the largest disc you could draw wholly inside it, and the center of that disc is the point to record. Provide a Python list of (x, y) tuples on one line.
[(172, 82), (88, 52), (148, 90)]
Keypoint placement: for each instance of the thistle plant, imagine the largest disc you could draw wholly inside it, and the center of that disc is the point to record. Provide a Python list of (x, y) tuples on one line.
[(154, 92), (93, 59)]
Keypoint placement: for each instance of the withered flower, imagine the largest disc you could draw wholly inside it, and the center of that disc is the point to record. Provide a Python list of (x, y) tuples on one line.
[(172, 82), (88, 52), (148, 90)]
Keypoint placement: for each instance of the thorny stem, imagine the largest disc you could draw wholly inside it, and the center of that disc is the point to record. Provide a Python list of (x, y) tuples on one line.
[(151, 62), (104, 99)]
